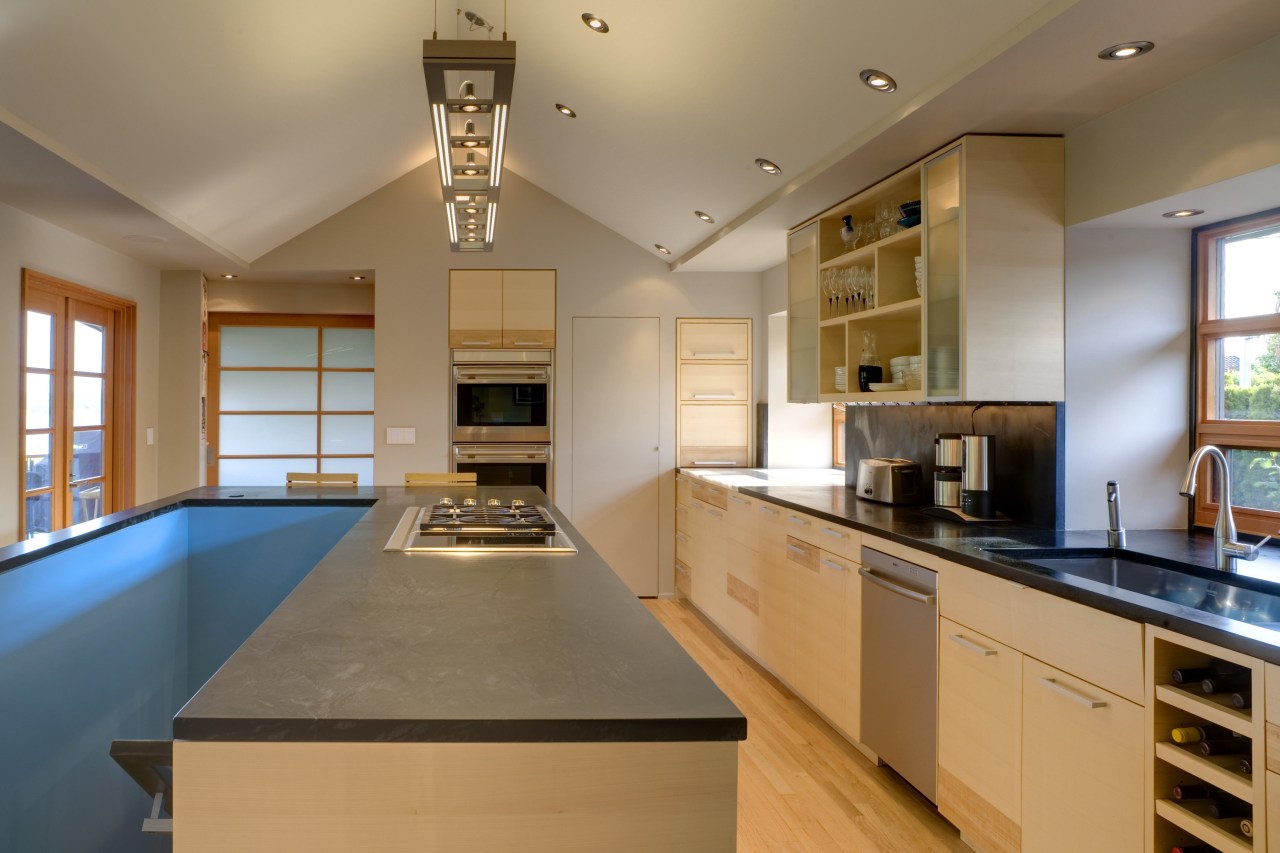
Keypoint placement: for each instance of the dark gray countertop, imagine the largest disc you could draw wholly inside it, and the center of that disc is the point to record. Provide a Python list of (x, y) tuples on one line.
[(387, 646)]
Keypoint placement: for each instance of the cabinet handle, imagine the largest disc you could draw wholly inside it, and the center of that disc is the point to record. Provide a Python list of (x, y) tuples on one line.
[(832, 564), (965, 643), (798, 521), (477, 343), (720, 463), (680, 537), (1075, 696), (714, 396), (739, 500), (919, 597), (796, 549), (713, 512), (681, 511), (769, 510), (527, 343), (713, 355), (839, 534)]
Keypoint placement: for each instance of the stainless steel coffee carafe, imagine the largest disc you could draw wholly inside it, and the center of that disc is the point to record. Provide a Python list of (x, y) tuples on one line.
[(948, 461)]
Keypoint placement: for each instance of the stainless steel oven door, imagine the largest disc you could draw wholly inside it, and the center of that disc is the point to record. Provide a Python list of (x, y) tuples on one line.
[(501, 403), (505, 464)]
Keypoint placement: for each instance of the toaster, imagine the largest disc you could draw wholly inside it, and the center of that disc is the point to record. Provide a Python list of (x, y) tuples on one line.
[(890, 481)]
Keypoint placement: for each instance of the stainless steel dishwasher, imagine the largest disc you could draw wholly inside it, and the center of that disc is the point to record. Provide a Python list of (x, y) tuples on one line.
[(900, 667)]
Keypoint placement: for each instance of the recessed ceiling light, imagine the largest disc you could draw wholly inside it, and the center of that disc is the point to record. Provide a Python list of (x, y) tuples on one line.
[(595, 23), (229, 275), (1126, 50), (768, 166), (356, 277), (661, 248), (472, 210), (1182, 214), (705, 217), (878, 80), (566, 111)]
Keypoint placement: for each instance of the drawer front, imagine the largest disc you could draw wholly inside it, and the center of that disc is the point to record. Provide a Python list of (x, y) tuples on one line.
[(724, 383), (713, 456), (528, 339), (684, 517), (685, 550), (1273, 696), (684, 489), (683, 580), (714, 424), (1099, 647), (979, 601), (709, 494), (475, 339), (715, 341), (742, 520), (838, 539), (803, 554)]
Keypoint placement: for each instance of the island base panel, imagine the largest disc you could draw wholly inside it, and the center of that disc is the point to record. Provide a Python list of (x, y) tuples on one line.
[(560, 797)]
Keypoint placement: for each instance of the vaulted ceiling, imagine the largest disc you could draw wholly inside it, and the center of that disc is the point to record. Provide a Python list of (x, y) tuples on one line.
[(204, 134)]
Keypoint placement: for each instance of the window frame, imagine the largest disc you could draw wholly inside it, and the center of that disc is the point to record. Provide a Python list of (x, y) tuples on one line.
[(1207, 329)]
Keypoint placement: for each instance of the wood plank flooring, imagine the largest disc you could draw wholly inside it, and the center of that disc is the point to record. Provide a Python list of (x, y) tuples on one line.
[(802, 786)]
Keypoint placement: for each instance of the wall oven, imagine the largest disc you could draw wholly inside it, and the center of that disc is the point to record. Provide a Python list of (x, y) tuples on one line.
[(501, 396), (505, 464)]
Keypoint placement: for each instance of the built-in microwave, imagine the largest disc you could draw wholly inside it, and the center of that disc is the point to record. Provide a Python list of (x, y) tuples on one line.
[(501, 396)]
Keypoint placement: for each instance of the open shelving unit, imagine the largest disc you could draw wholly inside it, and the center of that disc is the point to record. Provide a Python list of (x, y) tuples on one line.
[(1185, 822)]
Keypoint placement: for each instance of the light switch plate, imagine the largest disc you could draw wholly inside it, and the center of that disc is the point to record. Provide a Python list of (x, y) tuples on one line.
[(402, 435), (151, 435)]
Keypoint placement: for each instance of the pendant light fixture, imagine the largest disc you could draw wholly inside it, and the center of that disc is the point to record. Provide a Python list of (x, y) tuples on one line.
[(469, 84)]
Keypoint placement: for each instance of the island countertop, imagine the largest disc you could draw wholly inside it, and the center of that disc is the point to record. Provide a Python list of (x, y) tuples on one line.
[(389, 646)]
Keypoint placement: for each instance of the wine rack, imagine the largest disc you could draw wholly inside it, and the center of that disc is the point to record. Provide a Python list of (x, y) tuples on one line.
[(1174, 822)]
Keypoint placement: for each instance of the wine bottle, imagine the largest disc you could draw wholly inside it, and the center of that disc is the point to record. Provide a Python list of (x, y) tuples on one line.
[(1193, 791), (1242, 699), (1226, 746), (1223, 807), (1191, 675), (1246, 827), (1236, 681), (1246, 766), (1194, 848), (1195, 734)]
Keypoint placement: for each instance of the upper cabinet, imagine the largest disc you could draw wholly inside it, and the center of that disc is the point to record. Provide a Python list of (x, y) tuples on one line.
[(962, 301), (502, 309), (714, 425)]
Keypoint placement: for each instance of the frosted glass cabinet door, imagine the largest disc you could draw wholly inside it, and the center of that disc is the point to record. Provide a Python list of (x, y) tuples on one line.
[(267, 390), (348, 392), (269, 346), (263, 435), (943, 231), (802, 315), (348, 347)]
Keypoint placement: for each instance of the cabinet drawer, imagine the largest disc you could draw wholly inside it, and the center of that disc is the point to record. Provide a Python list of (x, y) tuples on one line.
[(1099, 647), (528, 339), (978, 600), (475, 338), (683, 580), (714, 424), (684, 489), (713, 457), (709, 494), (715, 341), (684, 518), (836, 538), (802, 553), (684, 547), (714, 382)]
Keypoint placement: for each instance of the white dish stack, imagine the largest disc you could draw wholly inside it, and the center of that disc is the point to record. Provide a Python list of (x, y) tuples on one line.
[(905, 369), (919, 270), (842, 379)]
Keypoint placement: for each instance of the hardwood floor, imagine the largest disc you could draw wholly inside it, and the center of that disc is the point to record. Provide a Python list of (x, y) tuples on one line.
[(802, 786)]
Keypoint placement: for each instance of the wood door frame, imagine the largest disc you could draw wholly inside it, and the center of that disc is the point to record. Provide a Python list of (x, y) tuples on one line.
[(123, 475)]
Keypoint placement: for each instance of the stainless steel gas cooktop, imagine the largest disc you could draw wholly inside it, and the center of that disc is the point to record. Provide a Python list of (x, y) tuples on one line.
[(471, 527)]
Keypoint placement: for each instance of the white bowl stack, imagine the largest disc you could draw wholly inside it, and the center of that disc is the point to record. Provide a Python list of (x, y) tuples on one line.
[(842, 379), (905, 369), (919, 270)]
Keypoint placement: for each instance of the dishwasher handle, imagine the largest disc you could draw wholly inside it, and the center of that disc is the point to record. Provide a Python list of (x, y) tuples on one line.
[(898, 590)]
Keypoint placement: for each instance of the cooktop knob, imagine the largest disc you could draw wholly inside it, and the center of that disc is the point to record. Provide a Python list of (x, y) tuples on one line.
[(517, 503), (493, 502), (446, 502), (468, 501)]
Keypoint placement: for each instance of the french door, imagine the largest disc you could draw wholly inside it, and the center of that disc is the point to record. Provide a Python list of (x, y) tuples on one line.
[(76, 404)]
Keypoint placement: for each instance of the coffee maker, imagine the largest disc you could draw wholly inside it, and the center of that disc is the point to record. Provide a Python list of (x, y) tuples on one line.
[(948, 463), (963, 478), (975, 477)]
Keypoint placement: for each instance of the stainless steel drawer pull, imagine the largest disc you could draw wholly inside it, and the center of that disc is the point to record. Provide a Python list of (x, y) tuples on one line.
[(797, 520), (769, 510), (796, 549), (718, 462), (527, 343), (965, 643), (898, 590), (714, 396), (832, 564), (715, 513), (839, 534), (713, 355), (738, 500), (681, 511), (1075, 696), (680, 537), (476, 343)]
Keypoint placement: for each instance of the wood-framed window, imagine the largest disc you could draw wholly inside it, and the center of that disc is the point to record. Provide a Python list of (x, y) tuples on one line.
[(75, 404), (289, 392), (1237, 358), (837, 434)]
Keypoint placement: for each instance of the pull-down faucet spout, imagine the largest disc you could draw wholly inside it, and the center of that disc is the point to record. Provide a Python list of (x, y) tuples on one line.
[(1226, 550)]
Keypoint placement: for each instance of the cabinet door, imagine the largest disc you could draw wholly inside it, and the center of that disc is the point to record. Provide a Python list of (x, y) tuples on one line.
[(802, 315), (475, 309), (708, 585), (723, 383), (1082, 766), (980, 737), (777, 605), (838, 686), (528, 309), (742, 573), (807, 665), (943, 285), (715, 341)]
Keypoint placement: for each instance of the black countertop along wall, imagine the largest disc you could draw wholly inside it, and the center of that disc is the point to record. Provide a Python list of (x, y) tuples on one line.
[(1029, 464)]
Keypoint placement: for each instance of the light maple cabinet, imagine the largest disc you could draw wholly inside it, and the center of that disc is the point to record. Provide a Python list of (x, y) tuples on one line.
[(715, 411), (502, 309), (987, 318), (742, 573)]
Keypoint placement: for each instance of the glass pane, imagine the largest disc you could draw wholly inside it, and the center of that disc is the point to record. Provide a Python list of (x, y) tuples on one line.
[(38, 463), (89, 342), (1249, 264), (267, 390), (346, 434), (1249, 388), (361, 467), (348, 347), (86, 502), (266, 435), (86, 455), (39, 514), (348, 392), (39, 340), (260, 472), (269, 346), (1255, 479), (942, 276), (39, 401), (87, 401)]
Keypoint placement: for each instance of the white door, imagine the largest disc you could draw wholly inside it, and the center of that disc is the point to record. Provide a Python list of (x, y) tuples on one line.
[(615, 443)]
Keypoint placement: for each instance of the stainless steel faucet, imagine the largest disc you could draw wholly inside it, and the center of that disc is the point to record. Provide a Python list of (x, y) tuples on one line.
[(1226, 550), (1115, 530)]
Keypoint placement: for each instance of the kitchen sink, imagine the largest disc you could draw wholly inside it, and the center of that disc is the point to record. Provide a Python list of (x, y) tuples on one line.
[(1167, 580)]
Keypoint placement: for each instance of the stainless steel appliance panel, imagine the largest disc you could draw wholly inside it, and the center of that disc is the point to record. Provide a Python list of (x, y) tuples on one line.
[(900, 667), (501, 396), (505, 464)]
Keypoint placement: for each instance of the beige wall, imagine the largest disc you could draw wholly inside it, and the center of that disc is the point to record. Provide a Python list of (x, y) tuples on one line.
[(29, 242), (291, 297), (181, 370), (400, 233)]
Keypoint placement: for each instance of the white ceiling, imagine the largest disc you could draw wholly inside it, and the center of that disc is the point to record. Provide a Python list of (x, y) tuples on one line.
[(229, 127)]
